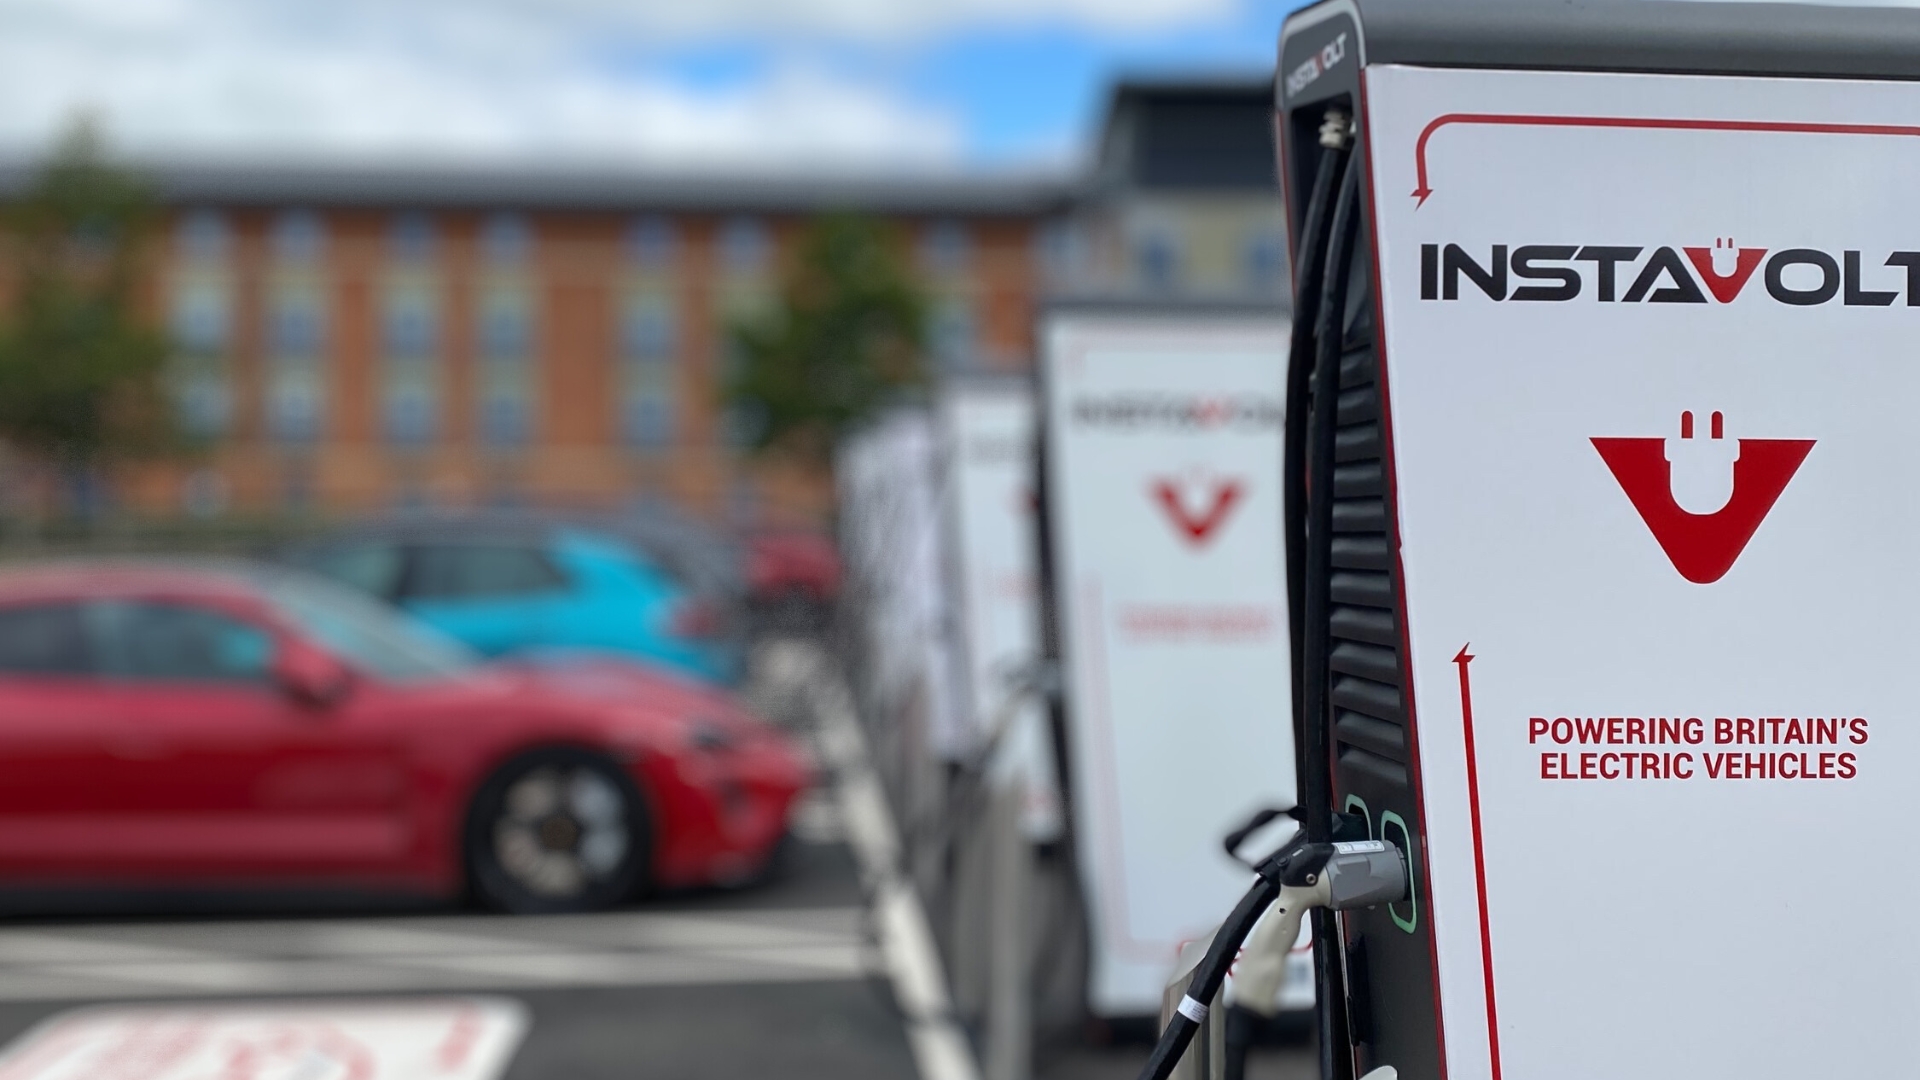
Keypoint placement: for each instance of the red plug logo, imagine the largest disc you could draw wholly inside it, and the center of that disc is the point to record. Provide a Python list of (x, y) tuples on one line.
[(1724, 267), (1703, 499), (1702, 473)]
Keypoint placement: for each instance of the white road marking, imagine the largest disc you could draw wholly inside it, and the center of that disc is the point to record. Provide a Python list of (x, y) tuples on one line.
[(450, 1039), (940, 1047), (27, 947), (432, 953)]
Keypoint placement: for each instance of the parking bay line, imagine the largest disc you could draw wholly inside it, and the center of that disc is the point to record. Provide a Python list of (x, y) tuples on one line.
[(615, 949), (940, 1047)]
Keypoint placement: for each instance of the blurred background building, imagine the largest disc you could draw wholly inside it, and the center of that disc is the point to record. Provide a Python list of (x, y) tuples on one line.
[(375, 339), (1178, 204)]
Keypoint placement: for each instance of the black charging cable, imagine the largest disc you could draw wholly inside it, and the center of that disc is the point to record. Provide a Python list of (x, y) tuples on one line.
[(1325, 261), (1308, 273), (1316, 653), (1296, 863)]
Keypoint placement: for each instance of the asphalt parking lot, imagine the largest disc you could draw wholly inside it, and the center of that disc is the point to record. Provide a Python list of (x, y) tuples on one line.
[(793, 977), (776, 980)]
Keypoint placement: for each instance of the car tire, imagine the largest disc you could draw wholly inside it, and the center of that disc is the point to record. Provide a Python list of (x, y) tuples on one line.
[(558, 830)]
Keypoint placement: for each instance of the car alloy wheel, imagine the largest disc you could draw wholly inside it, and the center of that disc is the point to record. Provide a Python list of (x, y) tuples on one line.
[(557, 831)]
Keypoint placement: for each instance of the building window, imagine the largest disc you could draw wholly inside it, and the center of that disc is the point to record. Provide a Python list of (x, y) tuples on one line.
[(1060, 250), (410, 324), (202, 314), (945, 248), (294, 402), (200, 378), (505, 375), (506, 322), (203, 396), (1266, 262), (410, 238), (295, 390), (295, 399), (410, 330), (649, 402), (506, 240), (653, 243), (1159, 261), (410, 403), (647, 330), (647, 413), (202, 236), (297, 237), (952, 334), (745, 245), (294, 320), (506, 413)]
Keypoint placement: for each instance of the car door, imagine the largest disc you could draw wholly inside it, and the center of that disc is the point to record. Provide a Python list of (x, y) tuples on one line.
[(62, 789), (497, 597), (230, 777)]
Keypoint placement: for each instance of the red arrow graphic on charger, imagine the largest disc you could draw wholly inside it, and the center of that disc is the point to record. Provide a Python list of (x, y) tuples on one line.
[(1463, 659), (1423, 189)]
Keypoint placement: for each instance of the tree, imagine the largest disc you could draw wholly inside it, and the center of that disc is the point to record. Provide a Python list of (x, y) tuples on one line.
[(845, 338), (81, 370)]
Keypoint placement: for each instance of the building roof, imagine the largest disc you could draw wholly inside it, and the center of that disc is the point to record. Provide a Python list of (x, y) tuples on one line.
[(1206, 134), (496, 187)]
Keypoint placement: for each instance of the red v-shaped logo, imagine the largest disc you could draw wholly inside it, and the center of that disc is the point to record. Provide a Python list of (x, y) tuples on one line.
[(1197, 529), (1725, 287), (1703, 546)]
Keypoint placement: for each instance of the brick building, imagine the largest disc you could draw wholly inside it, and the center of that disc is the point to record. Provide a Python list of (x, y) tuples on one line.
[(351, 341), (356, 341)]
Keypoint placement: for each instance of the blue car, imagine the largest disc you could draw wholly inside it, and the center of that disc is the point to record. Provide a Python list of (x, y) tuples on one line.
[(537, 589)]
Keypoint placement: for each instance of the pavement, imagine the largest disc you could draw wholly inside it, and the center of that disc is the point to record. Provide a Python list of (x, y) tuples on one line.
[(778, 980), (825, 971)]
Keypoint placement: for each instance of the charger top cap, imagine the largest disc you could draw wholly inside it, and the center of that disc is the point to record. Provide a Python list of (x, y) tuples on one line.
[(1675, 36)]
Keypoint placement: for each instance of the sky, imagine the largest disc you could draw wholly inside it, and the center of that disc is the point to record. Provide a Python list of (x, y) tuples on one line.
[(823, 85)]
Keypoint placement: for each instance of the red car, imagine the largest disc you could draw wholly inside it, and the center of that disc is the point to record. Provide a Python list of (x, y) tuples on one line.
[(792, 566), (216, 725)]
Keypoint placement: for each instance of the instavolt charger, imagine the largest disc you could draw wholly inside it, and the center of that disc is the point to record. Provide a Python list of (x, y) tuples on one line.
[(1600, 449)]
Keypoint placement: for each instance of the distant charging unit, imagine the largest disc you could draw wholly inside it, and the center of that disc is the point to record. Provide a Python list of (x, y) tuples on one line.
[(1162, 439), (1605, 543), (987, 431)]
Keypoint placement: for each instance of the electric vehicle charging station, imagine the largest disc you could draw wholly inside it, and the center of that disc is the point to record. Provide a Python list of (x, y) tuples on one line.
[(1161, 475), (987, 431), (1599, 532)]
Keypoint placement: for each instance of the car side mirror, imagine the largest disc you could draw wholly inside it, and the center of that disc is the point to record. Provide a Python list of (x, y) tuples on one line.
[(310, 676)]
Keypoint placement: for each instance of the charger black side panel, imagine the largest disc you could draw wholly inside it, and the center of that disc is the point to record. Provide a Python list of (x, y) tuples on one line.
[(1386, 962), (1393, 1012)]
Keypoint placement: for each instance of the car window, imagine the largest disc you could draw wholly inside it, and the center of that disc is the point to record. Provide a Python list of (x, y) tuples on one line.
[(166, 641), (44, 639), (370, 636), (372, 568), (478, 571)]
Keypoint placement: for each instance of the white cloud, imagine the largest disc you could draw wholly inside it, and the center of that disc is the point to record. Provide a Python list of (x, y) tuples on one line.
[(874, 19), (513, 78)]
